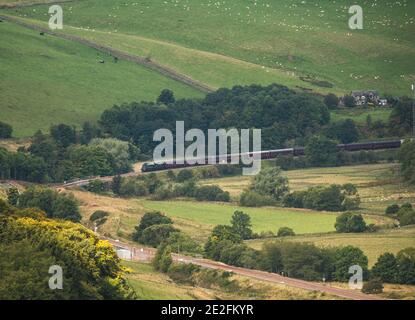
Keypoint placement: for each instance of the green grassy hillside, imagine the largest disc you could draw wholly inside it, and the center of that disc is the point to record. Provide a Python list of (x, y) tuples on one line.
[(47, 80), (284, 39)]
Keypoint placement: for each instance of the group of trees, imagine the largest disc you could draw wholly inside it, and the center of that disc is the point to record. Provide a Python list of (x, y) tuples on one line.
[(156, 229), (349, 222), (396, 269), (54, 204), (305, 260), (328, 198), (32, 244), (405, 213), (299, 260), (64, 154)]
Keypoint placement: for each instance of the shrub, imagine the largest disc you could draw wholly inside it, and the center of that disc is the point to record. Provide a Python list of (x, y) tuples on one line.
[(164, 192), (171, 175), (132, 187), (211, 193), (183, 243), (184, 175), (210, 172), (392, 209), (254, 199), (5, 130), (373, 286), (186, 189), (96, 186), (406, 215), (331, 101), (350, 222), (183, 273), (98, 215), (156, 234), (295, 199), (13, 196), (285, 232), (229, 170), (349, 101), (162, 259)]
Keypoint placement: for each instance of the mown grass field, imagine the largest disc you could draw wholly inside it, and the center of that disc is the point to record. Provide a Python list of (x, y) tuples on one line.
[(372, 244), (46, 80), (263, 219), (301, 37)]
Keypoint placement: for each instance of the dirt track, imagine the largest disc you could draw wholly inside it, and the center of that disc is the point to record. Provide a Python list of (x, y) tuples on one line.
[(166, 71)]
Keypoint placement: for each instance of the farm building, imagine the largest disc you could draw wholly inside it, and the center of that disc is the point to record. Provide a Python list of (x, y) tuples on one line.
[(362, 98)]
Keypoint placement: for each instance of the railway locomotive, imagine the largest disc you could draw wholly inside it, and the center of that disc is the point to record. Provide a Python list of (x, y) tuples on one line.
[(272, 154)]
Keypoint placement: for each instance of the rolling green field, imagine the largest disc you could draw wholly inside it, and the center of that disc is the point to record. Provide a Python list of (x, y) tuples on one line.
[(46, 80), (289, 36), (263, 219), (373, 245)]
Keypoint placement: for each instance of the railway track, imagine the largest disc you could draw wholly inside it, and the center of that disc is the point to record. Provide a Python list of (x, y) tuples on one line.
[(146, 255)]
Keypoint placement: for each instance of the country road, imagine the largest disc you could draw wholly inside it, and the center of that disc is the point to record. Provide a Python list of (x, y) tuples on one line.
[(146, 255), (164, 70)]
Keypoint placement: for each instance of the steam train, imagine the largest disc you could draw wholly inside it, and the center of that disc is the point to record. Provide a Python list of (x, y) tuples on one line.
[(272, 154)]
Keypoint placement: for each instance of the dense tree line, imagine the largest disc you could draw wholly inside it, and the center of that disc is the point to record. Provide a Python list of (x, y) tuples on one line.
[(182, 185), (305, 260), (281, 113), (65, 154), (34, 243), (298, 260)]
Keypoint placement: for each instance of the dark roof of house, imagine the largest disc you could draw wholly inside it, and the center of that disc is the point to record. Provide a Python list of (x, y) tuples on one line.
[(364, 93)]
